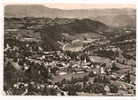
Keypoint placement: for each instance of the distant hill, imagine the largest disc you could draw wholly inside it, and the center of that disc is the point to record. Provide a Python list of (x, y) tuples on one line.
[(50, 31), (111, 17), (52, 34)]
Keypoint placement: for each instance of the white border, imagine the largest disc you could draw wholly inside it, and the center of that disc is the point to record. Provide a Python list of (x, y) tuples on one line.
[(4, 2), (72, 1)]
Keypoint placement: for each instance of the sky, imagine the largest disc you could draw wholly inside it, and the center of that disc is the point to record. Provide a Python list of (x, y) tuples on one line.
[(68, 6), (87, 6)]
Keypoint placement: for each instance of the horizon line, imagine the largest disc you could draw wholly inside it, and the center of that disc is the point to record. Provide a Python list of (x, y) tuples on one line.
[(67, 6)]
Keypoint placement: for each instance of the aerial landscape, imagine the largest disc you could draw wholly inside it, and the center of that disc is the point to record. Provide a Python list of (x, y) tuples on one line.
[(75, 52)]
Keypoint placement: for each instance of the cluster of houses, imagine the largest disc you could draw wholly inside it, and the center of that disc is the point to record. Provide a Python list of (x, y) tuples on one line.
[(50, 67)]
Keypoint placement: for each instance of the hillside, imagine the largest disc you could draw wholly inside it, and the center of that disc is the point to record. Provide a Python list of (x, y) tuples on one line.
[(111, 17), (51, 30)]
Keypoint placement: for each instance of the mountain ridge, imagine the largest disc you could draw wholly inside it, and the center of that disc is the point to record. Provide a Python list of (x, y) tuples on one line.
[(111, 17)]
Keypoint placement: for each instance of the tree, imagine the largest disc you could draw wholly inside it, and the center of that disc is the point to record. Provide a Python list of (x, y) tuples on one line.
[(86, 78), (113, 88), (72, 90), (97, 88), (54, 70)]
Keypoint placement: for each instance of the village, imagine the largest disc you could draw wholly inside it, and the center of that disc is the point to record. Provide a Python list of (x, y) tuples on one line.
[(73, 70)]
